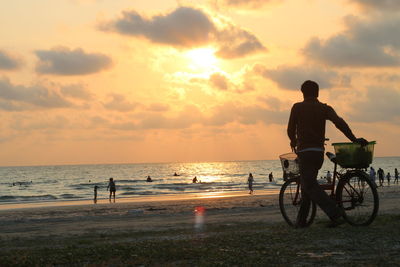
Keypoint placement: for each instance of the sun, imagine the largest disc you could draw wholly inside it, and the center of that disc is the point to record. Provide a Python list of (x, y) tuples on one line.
[(202, 58)]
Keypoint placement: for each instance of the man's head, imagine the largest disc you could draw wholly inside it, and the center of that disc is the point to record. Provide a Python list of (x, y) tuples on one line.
[(310, 89)]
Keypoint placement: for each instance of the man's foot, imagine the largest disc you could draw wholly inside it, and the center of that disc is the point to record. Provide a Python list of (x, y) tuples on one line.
[(336, 220), (300, 223)]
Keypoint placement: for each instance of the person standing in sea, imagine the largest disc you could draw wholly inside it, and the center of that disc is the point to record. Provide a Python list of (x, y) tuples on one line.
[(380, 176), (95, 194), (270, 177), (250, 181), (388, 176), (396, 176), (111, 186), (372, 174)]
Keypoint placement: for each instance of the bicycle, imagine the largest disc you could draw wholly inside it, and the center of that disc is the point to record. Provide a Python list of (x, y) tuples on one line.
[(355, 192)]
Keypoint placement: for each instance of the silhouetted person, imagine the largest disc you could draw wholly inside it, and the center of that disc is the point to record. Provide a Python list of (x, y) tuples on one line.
[(270, 177), (250, 181), (388, 176), (381, 176), (194, 180), (396, 176), (306, 130), (95, 193), (372, 174), (149, 180), (111, 186), (329, 177)]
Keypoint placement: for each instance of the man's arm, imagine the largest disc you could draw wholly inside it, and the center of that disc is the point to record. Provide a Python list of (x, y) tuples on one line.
[(291, 129), (340, 124)]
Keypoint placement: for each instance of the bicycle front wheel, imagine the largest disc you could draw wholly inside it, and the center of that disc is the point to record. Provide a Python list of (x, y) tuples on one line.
[(290, 201), (358, 197)]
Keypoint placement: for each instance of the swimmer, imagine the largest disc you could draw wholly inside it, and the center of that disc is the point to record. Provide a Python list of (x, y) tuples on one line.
[(112, 187)]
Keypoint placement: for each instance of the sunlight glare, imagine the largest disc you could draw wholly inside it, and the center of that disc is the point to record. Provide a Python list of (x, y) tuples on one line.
[(201, 58)]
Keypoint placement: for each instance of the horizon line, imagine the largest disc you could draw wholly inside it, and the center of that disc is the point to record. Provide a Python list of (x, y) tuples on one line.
[(160, 162)]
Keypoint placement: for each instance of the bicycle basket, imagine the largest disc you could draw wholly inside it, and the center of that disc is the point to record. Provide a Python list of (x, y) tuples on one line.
[(352, 155), (290, 165)]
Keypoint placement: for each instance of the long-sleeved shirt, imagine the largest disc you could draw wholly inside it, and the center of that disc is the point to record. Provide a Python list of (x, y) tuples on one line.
[(306, 127)]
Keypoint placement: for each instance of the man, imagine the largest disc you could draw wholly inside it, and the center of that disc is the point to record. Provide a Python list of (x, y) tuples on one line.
[(372, 174), (329, 177), (380, 176), (306, 130)]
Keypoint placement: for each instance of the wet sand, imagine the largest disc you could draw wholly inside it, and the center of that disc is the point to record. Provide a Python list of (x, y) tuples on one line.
[(152, 213)]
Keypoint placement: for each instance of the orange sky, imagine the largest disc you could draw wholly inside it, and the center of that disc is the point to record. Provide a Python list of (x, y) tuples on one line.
[(102, 81)]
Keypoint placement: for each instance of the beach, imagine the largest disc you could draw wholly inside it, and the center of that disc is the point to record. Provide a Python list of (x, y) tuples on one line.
[(37, 227), (162, 212)]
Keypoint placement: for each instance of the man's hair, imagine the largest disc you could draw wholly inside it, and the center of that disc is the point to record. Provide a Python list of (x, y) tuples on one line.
[(310, 89)]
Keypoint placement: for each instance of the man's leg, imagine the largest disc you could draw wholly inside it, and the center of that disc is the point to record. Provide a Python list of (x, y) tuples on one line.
[(310, 163), (304, 210)]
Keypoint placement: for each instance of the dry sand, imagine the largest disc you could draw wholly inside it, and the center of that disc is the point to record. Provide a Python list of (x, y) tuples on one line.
[(151, 213)]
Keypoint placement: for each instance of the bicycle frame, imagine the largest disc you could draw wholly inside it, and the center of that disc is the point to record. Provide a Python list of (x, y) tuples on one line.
[(351, 188), (336, 176), (331, 186)]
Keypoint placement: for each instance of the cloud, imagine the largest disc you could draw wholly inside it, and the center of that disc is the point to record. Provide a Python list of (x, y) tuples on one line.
[(234, 82), (217, 116), (387, 5), (235, 42), (379, 105), (158, 107), (274, 103), (77, 91), (64, 61), (41, 97), (19, 97), (219, 81), (291, 77), (119, 103), (231, 112), (248, 4), (8, 62), (372, 43), (387, 78), (29, 123), (187, 28)]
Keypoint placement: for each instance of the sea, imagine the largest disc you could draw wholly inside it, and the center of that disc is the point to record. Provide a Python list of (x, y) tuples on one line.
[(32, 184)]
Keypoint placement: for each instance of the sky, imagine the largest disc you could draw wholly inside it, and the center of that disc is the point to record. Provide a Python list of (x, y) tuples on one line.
[(104, 81)]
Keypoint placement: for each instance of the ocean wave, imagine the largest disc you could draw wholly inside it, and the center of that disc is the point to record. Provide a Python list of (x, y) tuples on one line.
[(130, 181), (27, 198), (87, 186), (69, 196), (130, 188), (45, 181), (142, 193)]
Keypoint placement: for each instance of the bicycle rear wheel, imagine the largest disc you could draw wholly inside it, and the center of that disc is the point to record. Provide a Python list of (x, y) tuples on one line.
[(290, 201), (358, 197)]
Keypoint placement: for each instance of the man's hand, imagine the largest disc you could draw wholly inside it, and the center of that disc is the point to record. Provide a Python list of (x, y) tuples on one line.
[(293, 146), (361, 141)]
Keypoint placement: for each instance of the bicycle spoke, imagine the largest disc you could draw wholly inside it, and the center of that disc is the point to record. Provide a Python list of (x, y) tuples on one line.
[(290, 202), (359, 200)]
